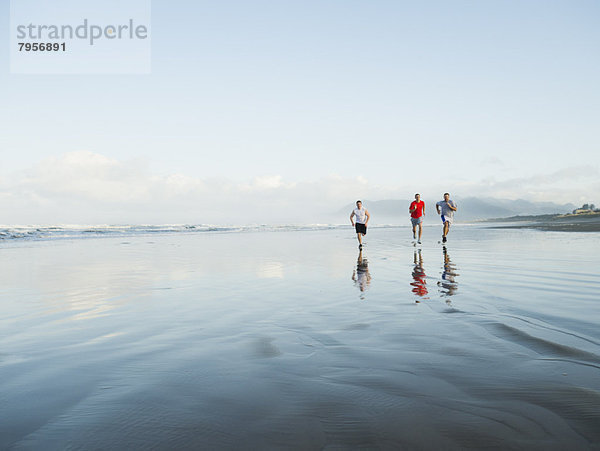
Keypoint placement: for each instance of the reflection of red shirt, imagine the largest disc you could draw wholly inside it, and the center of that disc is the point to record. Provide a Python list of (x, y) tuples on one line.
[(419, 211), (419, 284), (419, 290)]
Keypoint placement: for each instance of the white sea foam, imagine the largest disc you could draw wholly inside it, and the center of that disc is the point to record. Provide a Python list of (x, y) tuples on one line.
[(79, 231)]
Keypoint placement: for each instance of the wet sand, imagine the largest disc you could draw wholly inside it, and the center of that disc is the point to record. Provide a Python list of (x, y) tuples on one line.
[(558, 223), (295, 340)]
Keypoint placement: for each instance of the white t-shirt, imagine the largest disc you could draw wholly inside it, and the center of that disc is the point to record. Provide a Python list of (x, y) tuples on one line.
[(361, 215)]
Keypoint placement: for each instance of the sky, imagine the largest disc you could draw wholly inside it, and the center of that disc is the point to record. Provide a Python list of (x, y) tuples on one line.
[(279, 111)]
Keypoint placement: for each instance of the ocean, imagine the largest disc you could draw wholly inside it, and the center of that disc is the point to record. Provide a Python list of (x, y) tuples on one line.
[(275, 337)]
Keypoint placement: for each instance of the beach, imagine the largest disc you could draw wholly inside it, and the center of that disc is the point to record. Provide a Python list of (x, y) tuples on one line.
[(556, 223), (275, 338)]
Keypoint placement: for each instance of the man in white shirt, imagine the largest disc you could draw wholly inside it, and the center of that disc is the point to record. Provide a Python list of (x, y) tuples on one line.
[(362, 218)]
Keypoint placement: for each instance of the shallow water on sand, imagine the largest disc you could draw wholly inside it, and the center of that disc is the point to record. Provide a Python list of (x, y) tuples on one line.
[(294, 340)]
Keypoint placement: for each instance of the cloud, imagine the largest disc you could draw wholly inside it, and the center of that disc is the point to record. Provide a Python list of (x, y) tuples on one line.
[(86, 187), (573, 184), (87, 176), (267, 182), (494, 163)]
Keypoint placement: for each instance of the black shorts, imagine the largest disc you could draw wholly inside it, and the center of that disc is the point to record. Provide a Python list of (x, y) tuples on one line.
[(361, 228)]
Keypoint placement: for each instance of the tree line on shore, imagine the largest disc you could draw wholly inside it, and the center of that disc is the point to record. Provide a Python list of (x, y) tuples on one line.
[(586, 208)]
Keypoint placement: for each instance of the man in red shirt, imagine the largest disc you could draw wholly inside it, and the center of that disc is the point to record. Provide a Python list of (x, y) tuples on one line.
[(417, 211)]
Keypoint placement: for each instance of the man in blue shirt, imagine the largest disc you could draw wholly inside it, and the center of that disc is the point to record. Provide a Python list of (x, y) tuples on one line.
[(446, 209)]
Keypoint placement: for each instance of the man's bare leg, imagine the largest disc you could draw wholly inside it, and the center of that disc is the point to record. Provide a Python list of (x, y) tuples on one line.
[(420, 231)]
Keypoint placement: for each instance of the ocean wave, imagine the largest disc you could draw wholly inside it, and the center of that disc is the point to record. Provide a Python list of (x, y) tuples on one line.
[(36, 233)]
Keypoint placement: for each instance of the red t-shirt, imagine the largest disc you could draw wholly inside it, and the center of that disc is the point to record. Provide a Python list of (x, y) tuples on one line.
[(419, 211)]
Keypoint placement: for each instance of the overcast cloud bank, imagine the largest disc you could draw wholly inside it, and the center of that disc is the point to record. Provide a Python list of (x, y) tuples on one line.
[(86, 187)]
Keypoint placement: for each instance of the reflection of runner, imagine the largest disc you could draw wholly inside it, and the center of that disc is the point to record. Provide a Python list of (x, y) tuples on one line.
[(417, 211), (446, 209), (419, 283), (361, 275), (448, 284)]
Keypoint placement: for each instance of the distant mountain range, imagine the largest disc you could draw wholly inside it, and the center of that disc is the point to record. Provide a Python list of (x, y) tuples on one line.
[(469, 208)]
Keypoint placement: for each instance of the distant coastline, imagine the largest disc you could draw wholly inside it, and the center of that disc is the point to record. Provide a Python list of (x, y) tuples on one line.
[(583, 222)]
